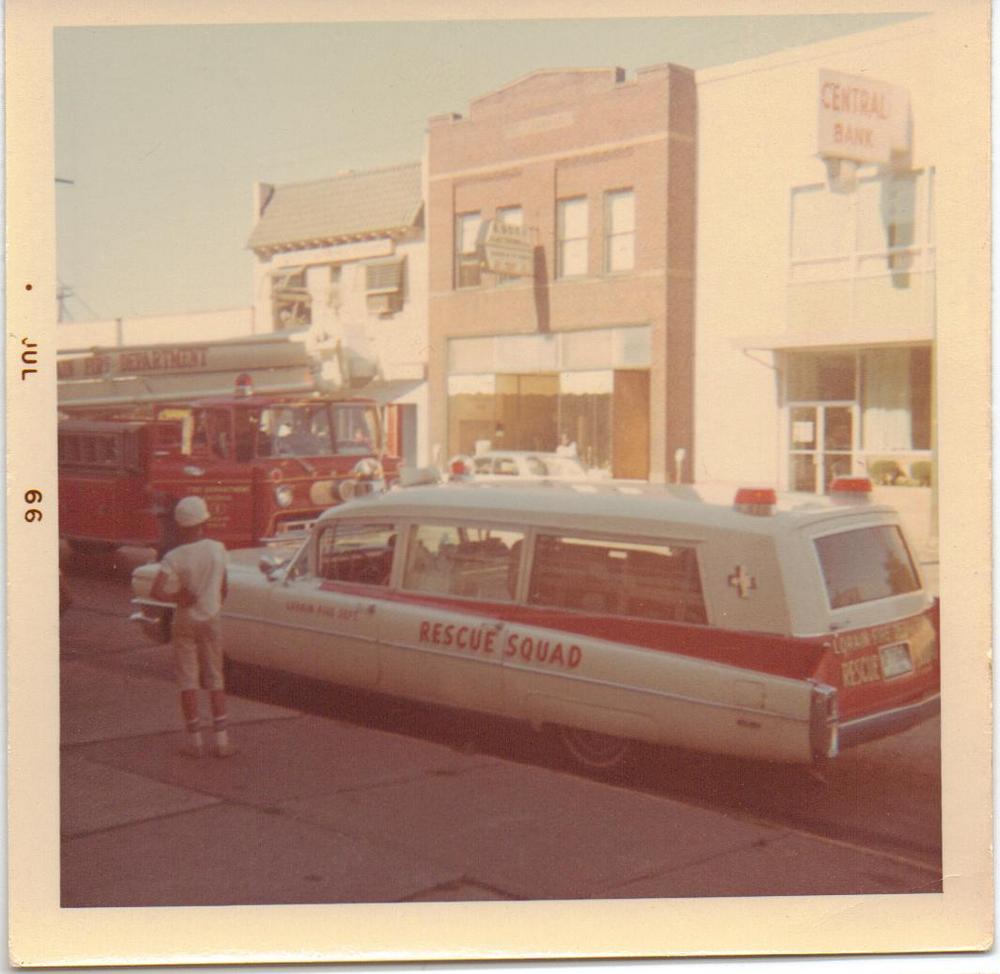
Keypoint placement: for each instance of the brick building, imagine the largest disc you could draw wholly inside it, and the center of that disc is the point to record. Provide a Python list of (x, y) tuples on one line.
[(594, 335)]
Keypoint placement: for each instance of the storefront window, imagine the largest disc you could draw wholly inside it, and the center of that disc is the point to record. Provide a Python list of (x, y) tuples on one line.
[(523, 392), (865, 411), (821, 376)]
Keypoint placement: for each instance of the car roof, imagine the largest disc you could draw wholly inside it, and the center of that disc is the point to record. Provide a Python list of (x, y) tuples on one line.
[(519, 453), (663, 511)]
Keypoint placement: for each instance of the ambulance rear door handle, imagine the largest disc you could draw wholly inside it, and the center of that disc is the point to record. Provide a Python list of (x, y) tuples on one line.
[(194, 471)]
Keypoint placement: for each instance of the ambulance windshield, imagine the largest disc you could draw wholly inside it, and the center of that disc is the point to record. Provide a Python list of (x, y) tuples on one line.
[(866, 564)]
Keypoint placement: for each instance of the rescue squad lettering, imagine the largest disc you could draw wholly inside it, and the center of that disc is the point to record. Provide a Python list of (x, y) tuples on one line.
[(483, 639), (866, 669)]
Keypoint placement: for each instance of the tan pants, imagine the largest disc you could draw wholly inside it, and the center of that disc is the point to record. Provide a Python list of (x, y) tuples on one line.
[(197, 652)]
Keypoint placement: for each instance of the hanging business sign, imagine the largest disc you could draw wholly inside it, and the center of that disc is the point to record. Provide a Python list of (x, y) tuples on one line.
[(861, 119), (508, 249)]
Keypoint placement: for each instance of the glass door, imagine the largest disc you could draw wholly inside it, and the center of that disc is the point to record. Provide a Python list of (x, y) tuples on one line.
[(821, 444)]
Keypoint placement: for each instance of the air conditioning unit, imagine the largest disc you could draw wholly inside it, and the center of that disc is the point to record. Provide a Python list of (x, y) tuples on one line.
[(384, 302)]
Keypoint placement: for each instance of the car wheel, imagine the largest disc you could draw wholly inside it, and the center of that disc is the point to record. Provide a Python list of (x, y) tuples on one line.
[(594, 750)]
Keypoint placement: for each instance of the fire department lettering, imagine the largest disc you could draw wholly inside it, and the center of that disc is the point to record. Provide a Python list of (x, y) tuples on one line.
[(166, 359)]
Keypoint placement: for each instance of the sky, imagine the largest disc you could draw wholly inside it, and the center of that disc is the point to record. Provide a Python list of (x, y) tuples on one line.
[(161, 132)]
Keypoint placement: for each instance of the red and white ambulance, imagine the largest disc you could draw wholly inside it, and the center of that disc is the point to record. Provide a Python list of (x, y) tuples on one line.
[(143, 427), (612, 614)]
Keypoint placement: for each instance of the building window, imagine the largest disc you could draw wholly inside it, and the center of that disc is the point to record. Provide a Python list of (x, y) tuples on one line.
[(863, 261), (384, 285), (572, 230), (467, 269), (291, 303), (511, 216), (619, 231), (333, 295)]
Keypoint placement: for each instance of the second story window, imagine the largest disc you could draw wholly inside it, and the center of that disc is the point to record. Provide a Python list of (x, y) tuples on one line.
[(467, 272), (510, 216), (571, 244), (384, 285), (619, 231), (291, 301)]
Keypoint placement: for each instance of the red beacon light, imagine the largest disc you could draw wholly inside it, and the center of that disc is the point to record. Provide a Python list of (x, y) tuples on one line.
[(244, 384), (459, 469), (851, 490), (759, 501)]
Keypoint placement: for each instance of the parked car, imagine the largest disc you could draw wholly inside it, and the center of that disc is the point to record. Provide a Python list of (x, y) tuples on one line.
[(748, 629), (525, 465)]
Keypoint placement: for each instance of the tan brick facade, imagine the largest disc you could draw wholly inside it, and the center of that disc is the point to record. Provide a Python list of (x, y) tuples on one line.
[(560, 135)]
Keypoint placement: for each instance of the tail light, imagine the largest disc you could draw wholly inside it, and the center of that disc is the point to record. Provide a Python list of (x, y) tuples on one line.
[(823, 723)]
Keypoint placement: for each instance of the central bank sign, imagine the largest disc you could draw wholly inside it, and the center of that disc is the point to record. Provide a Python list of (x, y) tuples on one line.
[(862, 119)]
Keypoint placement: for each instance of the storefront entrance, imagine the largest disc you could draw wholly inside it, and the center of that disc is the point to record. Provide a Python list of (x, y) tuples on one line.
[(821, 444)]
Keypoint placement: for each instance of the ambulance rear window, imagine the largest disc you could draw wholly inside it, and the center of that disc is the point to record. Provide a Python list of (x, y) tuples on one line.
[(866, 564)]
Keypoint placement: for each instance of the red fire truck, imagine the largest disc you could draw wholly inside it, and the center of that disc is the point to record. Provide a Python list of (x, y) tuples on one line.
[(266, 462)]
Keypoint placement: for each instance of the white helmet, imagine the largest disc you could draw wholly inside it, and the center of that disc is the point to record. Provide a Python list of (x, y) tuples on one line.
[(190, 512)]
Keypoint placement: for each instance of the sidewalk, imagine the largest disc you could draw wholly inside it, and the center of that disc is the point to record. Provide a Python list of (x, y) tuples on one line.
[(317, 810)]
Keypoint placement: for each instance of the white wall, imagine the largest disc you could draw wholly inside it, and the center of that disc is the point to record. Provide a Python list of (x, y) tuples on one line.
[(193, 326), (758, 139)]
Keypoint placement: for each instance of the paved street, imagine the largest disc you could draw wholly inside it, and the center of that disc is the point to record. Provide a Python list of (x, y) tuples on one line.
[(343, 797)]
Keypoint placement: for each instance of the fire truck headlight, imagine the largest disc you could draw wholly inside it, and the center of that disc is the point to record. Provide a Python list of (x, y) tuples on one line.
[(368, 469), (284, 495)]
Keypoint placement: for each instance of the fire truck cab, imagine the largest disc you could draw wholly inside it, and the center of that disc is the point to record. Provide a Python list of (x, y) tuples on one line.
[(266, 464), (264, 427)]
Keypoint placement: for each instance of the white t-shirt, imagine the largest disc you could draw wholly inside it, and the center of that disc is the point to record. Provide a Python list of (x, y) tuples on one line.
[(199, 567)]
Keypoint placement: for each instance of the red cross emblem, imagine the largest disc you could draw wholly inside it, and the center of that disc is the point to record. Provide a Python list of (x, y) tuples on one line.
[(742, 581)]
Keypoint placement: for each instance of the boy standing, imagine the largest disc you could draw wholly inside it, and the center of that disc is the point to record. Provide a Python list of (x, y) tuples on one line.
[(194, 576)]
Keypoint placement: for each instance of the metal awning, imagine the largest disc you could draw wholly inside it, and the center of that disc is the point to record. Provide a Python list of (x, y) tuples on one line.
[(841, 339)]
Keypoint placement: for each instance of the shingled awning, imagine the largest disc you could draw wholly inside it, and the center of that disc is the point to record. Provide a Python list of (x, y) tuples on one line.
[(355, 205)]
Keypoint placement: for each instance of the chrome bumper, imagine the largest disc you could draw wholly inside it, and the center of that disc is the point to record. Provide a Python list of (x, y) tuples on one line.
[(888, 722), (153, 618)]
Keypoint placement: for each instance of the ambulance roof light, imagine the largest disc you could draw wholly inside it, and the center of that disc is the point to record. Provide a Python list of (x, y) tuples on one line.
[(851, 490), (759, 501)]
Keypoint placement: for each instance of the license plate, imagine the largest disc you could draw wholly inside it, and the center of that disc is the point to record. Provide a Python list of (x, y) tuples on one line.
[(895, 660)]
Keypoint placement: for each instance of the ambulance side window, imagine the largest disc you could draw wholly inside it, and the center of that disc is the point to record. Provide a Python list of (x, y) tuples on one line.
[(471, 561), (357, 552), (617, 578)]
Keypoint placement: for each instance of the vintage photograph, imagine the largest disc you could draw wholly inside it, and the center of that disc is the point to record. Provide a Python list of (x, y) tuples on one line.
[(504, 464)]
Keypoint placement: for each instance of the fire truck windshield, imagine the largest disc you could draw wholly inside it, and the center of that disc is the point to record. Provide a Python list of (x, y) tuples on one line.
[(314, 429)]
